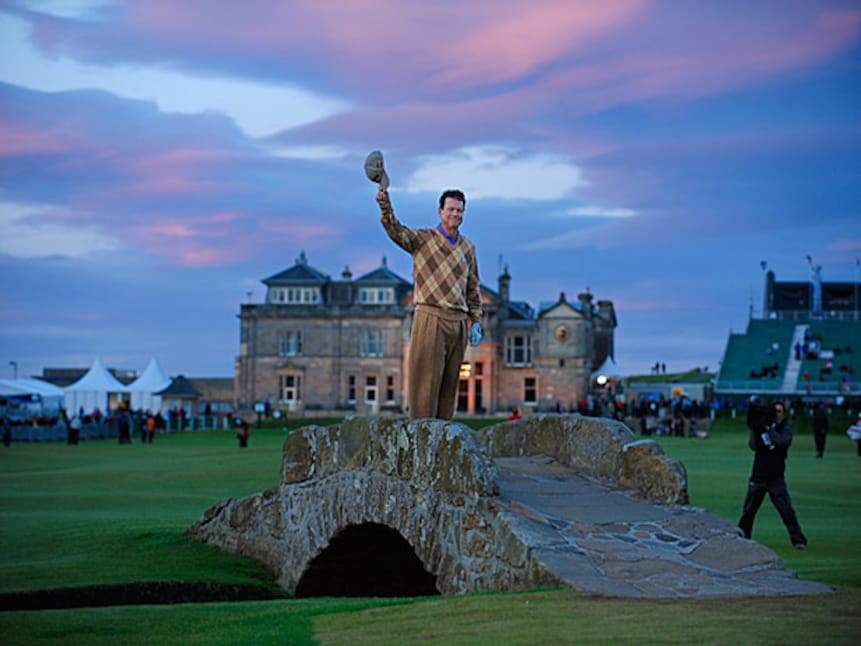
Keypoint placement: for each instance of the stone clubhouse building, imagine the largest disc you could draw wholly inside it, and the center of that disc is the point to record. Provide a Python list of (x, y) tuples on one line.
[(319, 344)]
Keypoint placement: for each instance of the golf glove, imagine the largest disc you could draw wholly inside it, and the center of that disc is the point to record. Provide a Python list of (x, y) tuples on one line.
[(475, 334)]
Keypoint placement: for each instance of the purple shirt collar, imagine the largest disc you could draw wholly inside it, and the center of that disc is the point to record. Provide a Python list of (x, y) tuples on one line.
[(447, 236)]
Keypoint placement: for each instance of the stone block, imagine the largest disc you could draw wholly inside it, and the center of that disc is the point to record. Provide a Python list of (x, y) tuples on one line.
[(654, 475), (354, 443)]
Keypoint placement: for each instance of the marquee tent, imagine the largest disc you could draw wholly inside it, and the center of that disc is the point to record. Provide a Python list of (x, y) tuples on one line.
[(144, 390), (34, 394), (93, 390)]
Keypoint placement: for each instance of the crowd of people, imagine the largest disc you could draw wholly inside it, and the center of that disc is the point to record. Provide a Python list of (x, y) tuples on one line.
[(121, 422)]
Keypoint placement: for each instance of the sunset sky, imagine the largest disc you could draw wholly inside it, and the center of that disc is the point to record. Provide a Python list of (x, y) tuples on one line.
[(159, 158)]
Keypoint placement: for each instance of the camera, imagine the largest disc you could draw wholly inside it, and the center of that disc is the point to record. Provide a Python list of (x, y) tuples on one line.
[(760, 417)]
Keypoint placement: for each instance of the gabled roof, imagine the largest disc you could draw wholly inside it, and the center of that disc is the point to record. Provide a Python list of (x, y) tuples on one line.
[(301, 272), (516, 309), (544, 308), (382, 274), (99, 379), (180, 387)]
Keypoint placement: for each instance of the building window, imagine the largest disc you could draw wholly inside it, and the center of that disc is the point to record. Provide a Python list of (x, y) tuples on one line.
[(290, 387), (518, 350), (295, 295), (371, 343), (390, 388), (376, 295), (351, 389), (371, 389), (290, 343), (530, 392)]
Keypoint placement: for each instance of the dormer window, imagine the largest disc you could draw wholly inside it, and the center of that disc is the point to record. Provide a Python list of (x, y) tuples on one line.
[(376, 295), (294, 295)]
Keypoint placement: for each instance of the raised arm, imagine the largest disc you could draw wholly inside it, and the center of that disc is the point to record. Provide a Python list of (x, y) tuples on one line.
[(406, 238)]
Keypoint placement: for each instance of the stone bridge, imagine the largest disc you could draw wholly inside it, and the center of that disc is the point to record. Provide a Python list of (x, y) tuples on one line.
[(388, 507)]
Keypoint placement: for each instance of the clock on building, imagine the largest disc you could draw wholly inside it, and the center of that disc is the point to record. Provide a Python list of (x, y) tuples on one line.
[(561, 333)]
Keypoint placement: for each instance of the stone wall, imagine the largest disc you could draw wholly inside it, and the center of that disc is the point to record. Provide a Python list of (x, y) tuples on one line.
[(435, 483), (596, 447)]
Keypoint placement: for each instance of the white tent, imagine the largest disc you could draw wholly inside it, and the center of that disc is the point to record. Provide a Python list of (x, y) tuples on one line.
[(608, 370), (35, 394), (143, 389), (93, 390)]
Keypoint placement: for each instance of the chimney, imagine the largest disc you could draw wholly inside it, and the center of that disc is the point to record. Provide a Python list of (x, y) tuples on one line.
[(607, 312), (586, 299), (505, 285)]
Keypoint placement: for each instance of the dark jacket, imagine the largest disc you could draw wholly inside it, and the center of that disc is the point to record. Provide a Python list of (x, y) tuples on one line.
[(820, 420), (769, 460)]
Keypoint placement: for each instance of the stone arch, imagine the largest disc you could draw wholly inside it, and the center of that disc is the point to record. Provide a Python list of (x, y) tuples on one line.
[(367, 560), (432, 523), (432, 482)]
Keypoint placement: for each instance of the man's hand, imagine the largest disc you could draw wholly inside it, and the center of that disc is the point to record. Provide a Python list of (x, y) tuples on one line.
[(475, 334), (383, 200)]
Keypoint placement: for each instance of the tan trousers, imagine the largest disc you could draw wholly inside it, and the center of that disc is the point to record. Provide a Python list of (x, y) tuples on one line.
[(437, 347)]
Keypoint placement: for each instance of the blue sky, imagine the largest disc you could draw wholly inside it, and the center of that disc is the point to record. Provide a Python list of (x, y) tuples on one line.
[(159, 159)]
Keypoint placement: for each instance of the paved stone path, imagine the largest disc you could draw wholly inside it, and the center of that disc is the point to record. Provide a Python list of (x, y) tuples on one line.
[(604, 541)]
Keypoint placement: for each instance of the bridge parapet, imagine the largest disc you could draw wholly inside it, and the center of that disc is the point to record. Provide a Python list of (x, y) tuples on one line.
[(430, 454), (599, 448)]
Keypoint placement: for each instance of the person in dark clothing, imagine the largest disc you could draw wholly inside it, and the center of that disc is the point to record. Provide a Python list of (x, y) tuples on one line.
[(770, 440), (820, 428), (123, 427), (242, 432)]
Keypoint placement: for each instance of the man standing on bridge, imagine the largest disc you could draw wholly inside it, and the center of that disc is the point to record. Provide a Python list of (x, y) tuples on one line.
[(447, 300)]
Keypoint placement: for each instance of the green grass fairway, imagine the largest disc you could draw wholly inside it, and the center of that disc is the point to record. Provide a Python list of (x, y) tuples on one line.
[(102, 513), (826, 494)]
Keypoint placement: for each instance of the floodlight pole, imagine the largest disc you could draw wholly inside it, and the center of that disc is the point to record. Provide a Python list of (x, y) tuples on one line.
[(857, 263)]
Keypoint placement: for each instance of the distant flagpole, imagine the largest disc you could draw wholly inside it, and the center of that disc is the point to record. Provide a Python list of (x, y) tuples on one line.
[(857, 263)]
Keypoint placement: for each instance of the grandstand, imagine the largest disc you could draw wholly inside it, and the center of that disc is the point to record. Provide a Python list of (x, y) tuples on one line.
[(807, 344), (764, 359)]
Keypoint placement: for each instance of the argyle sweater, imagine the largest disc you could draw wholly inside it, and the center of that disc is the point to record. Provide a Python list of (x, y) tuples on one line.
[(445, 274)]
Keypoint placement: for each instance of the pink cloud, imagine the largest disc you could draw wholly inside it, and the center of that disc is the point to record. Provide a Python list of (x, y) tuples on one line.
[(188, 243), (212, 225), (170, 184), (177, 171), (589, 54), (300, 233), (710, 60), (197, 256), (518, 39), (20, 139), (379, 45), (847, 244)]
